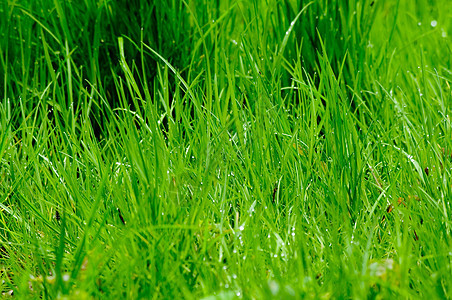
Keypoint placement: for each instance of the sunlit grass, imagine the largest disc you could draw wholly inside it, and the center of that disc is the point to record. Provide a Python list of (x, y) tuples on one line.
[(225, 149)]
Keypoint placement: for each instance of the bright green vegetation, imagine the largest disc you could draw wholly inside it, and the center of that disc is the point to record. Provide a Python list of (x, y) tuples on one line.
[(225, 149)]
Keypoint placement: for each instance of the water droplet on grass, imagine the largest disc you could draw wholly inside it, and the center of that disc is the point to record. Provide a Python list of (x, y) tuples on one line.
[(434, 23)]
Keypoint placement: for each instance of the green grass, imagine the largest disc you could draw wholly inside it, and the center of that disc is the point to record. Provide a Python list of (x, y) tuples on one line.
[(225, 149)]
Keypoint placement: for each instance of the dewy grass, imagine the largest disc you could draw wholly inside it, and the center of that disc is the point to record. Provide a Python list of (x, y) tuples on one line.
[(225, 149)]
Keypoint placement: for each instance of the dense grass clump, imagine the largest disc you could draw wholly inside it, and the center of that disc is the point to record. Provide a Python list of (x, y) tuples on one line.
[(225, 149)]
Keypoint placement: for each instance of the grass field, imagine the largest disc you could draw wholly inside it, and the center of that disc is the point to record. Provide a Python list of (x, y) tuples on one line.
[(225, 149)]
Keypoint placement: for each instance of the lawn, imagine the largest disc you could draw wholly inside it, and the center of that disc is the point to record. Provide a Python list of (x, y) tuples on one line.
[(225, 149)]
